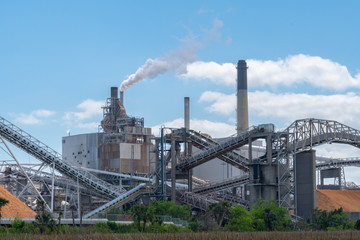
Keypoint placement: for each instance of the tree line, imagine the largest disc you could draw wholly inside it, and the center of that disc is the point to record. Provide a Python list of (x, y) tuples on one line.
[(221, 216)]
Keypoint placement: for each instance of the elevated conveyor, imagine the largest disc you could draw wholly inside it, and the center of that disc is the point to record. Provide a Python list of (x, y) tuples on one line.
[(39, 150), (217, 186), (353, 162), (234, 199), (204, 142), (218, 150), (122, 199), (195, 200)]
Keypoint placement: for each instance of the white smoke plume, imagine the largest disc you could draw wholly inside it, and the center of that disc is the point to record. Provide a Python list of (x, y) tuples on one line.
[(175, 62)]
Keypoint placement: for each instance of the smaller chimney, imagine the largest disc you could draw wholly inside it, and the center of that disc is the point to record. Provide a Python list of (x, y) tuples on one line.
[(122, 97), (187, 113), (114, 92)]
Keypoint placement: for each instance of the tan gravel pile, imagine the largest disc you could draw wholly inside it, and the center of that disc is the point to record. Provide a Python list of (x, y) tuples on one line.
[(15, 208), (329, 200)]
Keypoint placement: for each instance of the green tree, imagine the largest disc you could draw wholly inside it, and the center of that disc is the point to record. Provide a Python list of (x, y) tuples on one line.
[(239, 220), (268, 216), (142, 213), (44, 220), (170, 208), (219, 211), (3, 202), (324, 220)]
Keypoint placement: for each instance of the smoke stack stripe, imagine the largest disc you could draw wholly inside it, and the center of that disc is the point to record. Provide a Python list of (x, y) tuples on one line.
[(242, 97)]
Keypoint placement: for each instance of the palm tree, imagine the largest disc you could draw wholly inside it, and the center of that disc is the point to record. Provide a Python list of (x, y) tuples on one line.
[(219, 210), (3, 202)]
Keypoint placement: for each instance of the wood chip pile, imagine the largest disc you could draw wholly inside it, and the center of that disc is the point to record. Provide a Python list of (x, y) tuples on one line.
[(333, 199), (15, 208)]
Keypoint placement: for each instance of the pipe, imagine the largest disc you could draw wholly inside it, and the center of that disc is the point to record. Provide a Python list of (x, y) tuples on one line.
[(242, 98), (122, 97), (187, 113)]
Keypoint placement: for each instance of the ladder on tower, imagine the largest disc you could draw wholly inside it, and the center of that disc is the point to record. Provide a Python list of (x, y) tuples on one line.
[(39, 150)]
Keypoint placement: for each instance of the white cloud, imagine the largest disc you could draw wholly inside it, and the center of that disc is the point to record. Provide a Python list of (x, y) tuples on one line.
[(296, 69), (88, 110), (214, 129), (217, 73), (89, 125), (340, 107), (222, 103), (35, 117)]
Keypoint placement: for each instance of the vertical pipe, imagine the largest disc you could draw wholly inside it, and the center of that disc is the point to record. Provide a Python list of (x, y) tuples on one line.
[(190, 170), (187, 113), (162, 163), (186, 123), (173, 169), (122, 97), (132, 161), (78, 197), (66, 193), (52, 187), (242, 98)]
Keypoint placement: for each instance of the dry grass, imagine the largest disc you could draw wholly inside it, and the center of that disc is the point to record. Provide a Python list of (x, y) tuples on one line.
[(199, 236)]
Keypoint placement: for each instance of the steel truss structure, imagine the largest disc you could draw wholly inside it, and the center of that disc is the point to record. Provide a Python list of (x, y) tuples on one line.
[(44, 153), (303, 135)]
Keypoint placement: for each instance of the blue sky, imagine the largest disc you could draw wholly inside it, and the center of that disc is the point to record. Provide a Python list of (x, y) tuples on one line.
[(58, 61)]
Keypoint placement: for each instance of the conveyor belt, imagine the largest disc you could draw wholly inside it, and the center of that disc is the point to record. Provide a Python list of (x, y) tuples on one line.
[(39, 150)]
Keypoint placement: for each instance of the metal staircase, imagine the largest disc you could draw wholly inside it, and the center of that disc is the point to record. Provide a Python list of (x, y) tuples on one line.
[(39, 150), (204, 142), (122, 199), (218, 150), (217, 186)]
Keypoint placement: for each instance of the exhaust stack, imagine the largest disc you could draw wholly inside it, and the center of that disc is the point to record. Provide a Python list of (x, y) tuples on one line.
[(187, 113), (242, 98), (122, 97), (114, 92)]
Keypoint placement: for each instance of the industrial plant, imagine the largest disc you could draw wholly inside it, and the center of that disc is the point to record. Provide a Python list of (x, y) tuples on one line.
[(123, 164)]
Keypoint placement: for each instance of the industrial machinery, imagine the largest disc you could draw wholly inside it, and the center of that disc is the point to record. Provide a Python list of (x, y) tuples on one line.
[(125, 164)]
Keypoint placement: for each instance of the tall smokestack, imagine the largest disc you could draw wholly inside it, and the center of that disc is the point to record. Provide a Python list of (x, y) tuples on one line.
[(114, 92), (122, 97), (187, 113), (242, 98)]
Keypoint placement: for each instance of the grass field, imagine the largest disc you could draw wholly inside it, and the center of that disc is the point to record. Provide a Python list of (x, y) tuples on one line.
[(196, 236)]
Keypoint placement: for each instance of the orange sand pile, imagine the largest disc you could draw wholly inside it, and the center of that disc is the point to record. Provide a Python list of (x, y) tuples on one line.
[(15, 208), (333, 199)]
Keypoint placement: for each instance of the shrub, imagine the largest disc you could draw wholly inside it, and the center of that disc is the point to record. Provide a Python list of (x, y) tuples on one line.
[(239, 220), (17, 225), (112, 226), (101, 227), (194, 226), (268, 216), (357, 225)]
